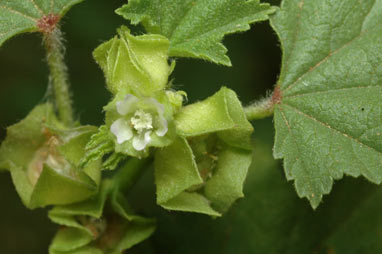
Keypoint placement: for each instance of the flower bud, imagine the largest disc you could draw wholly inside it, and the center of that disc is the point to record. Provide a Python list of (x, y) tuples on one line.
[(204, 169), (102, 224), (43, 159)]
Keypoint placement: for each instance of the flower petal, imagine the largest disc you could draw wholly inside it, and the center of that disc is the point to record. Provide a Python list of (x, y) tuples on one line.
[(122, 130), (126, 105), (140, 142), (159, 107), (162, 126)]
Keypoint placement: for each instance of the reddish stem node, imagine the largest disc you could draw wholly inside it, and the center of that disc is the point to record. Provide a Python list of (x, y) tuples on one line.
[(276, 96), (48, 23)]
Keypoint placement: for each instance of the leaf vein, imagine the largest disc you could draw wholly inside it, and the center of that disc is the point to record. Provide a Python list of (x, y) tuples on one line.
[(18, 13), (37, 7), (220, 30), (324, 60), (331, 128), (117, 59), (362, 32), (180, 23), (367, 15), (330, 90)]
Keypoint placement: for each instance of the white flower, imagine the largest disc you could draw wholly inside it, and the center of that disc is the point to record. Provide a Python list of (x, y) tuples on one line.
[(140, 118)]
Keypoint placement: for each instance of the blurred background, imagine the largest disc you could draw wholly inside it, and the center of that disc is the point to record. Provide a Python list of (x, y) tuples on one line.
[(271, 219)]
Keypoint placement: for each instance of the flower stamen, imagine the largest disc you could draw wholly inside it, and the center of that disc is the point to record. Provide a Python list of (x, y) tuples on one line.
[(142, 121)]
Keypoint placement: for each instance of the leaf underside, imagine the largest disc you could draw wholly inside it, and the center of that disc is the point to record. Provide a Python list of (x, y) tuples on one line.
[(329, 122), (196, 28), (20, 16)]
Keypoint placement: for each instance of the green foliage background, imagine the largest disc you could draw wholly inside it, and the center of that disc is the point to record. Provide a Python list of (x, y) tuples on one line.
[(271, 219)]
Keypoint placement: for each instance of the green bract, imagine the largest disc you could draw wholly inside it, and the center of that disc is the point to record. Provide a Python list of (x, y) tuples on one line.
[(329, 120), (134, 64), (43, 157), (204, 169), (196, 28), (104, 224), (20, 16), (141, 113)]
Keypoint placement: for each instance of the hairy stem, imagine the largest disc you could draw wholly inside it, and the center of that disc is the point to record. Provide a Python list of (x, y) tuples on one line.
[(130, 173), (59, 75), (259, 109), (264, 107)]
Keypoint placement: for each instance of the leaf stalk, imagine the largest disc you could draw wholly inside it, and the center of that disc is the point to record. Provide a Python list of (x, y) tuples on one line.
[(58, 78), (259, 109), (264, 107)]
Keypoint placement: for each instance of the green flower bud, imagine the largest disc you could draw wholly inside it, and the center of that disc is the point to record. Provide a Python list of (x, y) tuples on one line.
[(135, 64), (204, 169), (43, 158), (103, 224), (176, 98)]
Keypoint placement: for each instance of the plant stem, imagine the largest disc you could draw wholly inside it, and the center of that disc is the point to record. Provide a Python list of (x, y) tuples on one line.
[(130, 173), (259, 109), (264, 107), (59, 75)]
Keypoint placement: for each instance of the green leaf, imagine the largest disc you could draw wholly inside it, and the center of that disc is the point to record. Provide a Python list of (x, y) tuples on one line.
[(98, 226), (328, 122), (20, 16), (43, 159), (196, 28), (134, 64)]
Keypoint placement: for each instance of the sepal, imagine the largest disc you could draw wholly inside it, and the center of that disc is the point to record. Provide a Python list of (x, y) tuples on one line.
[(103, 224), (134, 64), (99, 144), (221, 113), (201, 174), (204, 169), (43, 159)]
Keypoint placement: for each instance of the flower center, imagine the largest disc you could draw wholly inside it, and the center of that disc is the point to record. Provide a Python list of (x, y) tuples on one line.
[(142, 121)]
